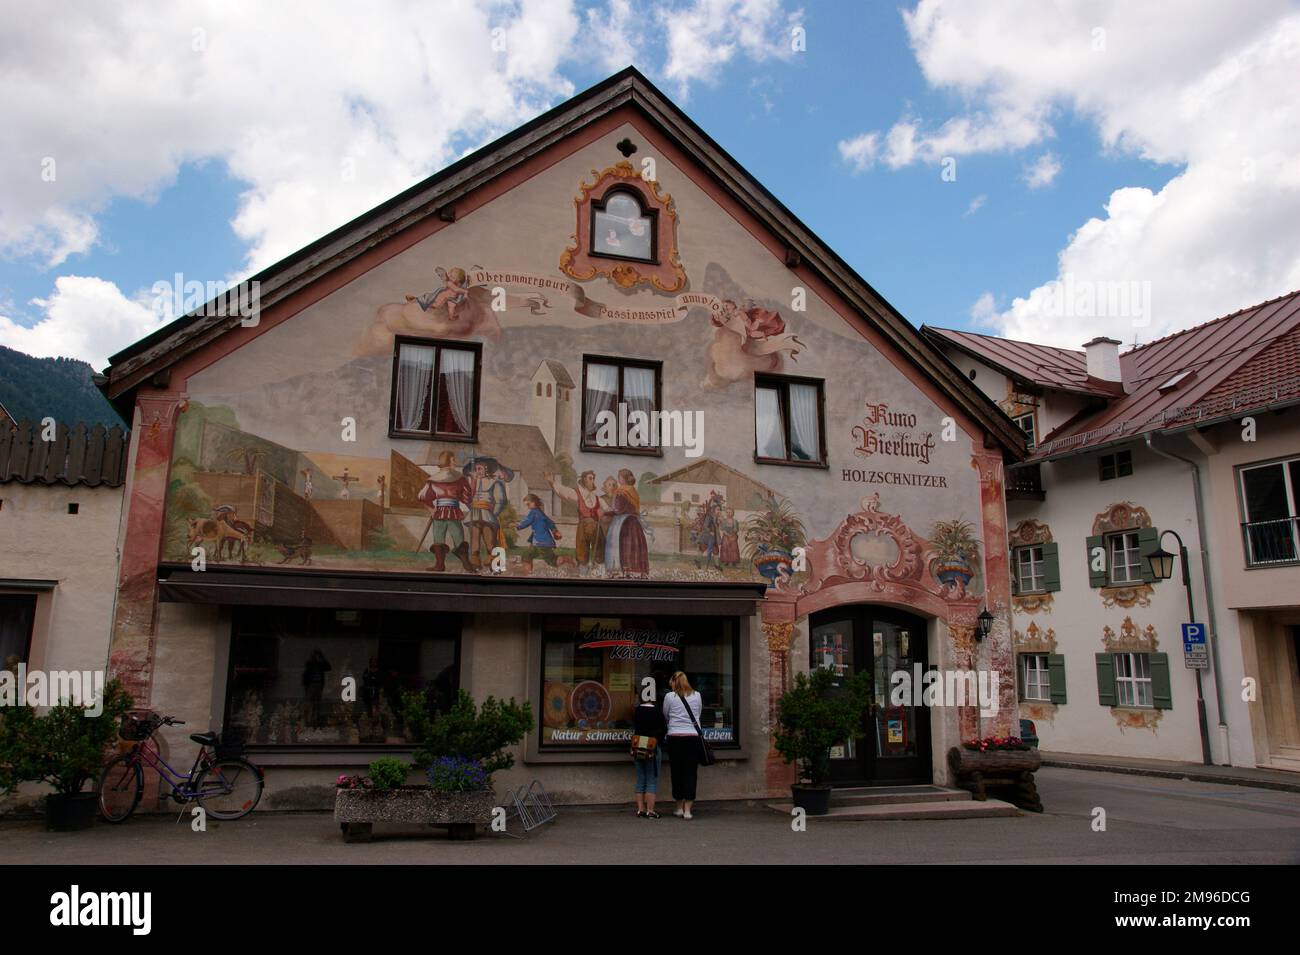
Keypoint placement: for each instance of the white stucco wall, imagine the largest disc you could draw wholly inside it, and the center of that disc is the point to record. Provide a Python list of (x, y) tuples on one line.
[(42, 541), (1074, 498)]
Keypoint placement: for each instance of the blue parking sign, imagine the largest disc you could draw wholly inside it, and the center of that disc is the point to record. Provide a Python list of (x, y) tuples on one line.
[(1196, 655)]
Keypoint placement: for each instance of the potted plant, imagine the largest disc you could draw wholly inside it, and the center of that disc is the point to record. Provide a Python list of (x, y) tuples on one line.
[(771, 535), (460, 748), (956, 552), (65, 748), (812, 716)]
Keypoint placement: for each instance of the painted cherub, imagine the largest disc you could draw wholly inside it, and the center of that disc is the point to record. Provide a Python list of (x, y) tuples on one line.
[(452, 294)]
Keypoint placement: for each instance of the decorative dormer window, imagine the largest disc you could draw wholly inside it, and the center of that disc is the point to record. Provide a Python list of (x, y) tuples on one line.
[(626, 230)]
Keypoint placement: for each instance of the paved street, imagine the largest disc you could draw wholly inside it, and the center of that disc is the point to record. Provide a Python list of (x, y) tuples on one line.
[(1148, 821)]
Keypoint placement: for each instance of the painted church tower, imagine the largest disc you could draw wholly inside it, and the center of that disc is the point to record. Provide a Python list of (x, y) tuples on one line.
[(555, 405)]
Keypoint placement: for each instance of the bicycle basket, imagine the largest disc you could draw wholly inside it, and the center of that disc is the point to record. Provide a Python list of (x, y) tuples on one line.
[(137, 727)]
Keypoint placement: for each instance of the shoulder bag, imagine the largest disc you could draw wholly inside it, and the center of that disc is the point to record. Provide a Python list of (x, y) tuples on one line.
[(706, 754)]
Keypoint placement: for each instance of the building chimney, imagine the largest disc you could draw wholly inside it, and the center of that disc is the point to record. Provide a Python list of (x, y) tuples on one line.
[(1103, 359)]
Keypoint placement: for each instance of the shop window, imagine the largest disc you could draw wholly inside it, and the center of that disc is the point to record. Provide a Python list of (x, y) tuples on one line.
[(435, 389), (17, 619), (614, 391), (1271, 519), (1117, 465), (788, 420), (287, 666), (621, 228), (1134, 680), (594, 670), (1119, 559)]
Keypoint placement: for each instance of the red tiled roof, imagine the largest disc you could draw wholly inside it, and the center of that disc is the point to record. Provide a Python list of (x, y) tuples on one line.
[(1242, 361), (1045, 365)]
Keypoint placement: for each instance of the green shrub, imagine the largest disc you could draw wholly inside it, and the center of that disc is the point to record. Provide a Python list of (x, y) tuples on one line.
[(65, 747), (814, 715), (388, 772), (480, 734)]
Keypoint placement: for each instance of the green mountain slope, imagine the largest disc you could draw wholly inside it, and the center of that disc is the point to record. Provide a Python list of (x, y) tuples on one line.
[(61, 388)]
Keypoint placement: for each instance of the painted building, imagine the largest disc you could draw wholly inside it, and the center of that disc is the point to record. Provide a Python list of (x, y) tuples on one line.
[(427, 464), (1194, 433)]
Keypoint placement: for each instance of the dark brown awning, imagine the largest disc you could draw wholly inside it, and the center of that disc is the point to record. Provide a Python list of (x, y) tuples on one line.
[(455, 592)]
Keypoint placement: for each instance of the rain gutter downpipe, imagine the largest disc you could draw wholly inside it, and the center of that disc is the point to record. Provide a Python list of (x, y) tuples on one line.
[(1213, 636)]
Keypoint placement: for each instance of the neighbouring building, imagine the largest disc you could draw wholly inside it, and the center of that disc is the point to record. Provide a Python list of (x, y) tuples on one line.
[(1197, 433), (419, 467), (60, 520)]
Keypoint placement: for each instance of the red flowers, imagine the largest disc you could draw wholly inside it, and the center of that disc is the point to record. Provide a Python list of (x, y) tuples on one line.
[(996, 742)]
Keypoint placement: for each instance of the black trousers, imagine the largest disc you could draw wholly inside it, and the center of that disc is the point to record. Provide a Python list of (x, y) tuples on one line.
[(684, 761)]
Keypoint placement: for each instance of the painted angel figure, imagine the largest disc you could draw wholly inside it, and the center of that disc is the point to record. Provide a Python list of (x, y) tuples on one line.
[(452, 294)]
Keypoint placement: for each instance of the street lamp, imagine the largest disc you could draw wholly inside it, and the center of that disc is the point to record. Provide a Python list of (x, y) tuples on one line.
[(1162, 568), (984, 624)]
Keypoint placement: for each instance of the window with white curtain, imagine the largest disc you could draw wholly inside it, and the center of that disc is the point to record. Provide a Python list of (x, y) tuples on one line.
[(435, 389), (620, 387), (788, 421)]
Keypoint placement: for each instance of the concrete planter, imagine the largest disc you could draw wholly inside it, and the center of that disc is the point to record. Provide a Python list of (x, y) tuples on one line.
[(357, 810)]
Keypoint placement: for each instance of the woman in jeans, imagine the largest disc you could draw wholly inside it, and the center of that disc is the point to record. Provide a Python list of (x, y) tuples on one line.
[(683, 740), (648, 721)]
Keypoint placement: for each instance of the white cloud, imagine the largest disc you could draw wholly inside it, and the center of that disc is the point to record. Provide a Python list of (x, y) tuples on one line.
[(860, 151), (703, 36), (984, 310), (1200, 85), (976, 204), (614, 35), (322, 116), (1043, 171), (86, 318)]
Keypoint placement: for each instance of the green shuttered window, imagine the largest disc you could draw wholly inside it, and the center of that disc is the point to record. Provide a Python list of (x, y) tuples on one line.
[(1139, 680), (1120, 558), (1035, 569)]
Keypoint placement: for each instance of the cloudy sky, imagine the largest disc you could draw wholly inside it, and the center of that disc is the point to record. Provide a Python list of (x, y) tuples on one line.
[(968, 157)]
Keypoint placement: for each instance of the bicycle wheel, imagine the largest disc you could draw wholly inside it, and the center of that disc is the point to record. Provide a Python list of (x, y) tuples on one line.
[(120, 786), (229, 788)]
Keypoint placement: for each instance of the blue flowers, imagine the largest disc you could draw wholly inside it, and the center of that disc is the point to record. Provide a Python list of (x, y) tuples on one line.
[(452, 774)]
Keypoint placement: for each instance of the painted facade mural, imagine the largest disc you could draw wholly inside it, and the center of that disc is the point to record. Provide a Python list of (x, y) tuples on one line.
[(292, 453)]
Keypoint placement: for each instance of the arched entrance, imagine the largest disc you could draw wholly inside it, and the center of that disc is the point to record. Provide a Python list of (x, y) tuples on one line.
[(869, 638)]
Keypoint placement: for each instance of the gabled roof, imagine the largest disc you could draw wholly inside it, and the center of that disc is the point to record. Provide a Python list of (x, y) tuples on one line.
[(1044, 366), (1241, 362), (136, 365), (558, 372)]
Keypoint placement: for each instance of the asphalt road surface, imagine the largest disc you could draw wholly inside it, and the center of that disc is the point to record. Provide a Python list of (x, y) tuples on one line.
[(1147, 820)]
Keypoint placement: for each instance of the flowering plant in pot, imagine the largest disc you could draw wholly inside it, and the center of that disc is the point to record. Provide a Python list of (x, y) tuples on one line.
[(812, 716), (461, 748), (771, 535), (65, 748)]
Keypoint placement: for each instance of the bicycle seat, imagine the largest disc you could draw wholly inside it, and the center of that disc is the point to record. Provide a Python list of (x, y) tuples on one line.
[(204, 739)]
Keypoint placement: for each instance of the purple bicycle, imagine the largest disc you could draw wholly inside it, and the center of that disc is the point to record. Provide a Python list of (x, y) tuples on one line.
[(225, 784)]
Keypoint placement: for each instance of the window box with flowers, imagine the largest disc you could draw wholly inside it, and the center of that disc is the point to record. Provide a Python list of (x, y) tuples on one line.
[(460, 748), (1002, 762)]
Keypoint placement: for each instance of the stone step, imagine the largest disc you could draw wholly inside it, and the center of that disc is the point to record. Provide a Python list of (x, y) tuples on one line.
[(891, 795), (958, 809)]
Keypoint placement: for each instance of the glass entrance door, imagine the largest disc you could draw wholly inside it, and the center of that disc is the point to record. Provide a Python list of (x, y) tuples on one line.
[(895, 745)]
